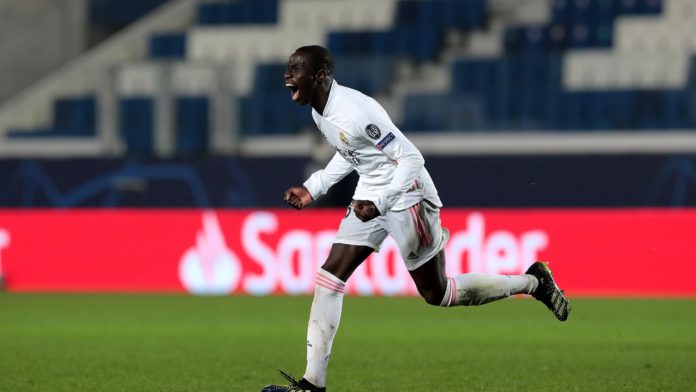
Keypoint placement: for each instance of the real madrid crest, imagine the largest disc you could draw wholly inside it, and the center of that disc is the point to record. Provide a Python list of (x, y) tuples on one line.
[(343, 138), (373, 131)]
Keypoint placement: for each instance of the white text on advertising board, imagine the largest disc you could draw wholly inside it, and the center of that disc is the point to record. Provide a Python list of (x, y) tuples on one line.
[(289, 265)]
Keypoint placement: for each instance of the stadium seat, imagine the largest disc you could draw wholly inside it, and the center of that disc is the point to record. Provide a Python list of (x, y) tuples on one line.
[(442, 112), (118, 13), (32, 133), (238, 12), (272, 113), (444, 14), (136, 124), (75, 116), (590, 65), (371, 75), (269, 77), (168, 46), (192, 125), (72, 117)]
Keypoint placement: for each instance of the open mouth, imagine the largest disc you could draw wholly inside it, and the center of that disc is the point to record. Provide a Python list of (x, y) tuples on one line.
[(294, 91)]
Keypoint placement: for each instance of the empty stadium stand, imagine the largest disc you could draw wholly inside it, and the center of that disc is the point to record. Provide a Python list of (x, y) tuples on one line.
[(574, 65)]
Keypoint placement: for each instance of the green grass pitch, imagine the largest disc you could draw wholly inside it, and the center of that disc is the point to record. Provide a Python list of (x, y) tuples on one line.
[(184, 343)]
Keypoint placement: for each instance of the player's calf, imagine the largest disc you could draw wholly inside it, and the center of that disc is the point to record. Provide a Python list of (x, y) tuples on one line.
[(477, 289)]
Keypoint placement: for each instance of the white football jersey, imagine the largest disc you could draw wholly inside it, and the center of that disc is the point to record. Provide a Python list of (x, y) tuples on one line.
[(391, 168)]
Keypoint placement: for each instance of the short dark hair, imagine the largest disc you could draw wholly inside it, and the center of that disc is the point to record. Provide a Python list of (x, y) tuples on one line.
[(320, 58)]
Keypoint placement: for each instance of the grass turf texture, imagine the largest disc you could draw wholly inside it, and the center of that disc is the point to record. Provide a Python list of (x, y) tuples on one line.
[(183, 343)]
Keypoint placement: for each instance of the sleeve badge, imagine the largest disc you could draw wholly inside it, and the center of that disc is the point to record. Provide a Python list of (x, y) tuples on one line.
[(373, 131)]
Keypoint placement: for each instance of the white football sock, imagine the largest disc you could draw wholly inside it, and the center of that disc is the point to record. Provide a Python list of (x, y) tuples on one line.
[(478, 289), (323, 323)]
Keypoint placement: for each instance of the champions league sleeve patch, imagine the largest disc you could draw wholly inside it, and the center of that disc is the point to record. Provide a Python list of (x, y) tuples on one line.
[(373, 131), (387, 139)]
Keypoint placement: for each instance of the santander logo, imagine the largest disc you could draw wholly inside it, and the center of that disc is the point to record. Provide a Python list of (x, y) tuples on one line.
[(288, 264), (210, 267)]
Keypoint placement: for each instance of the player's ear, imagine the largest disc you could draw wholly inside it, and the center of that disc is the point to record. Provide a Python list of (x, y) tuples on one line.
[(321, 75)]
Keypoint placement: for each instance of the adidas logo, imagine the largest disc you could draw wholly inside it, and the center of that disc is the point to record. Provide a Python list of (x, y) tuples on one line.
[(412, 256)]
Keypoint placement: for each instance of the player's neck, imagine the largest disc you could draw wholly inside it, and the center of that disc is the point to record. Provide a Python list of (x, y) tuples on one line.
[(321, 98)]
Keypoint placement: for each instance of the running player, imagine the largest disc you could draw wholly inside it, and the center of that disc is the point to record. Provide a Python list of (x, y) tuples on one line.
[(394, 196)]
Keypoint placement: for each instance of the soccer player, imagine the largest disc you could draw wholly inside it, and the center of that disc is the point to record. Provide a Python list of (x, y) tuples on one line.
[(394, 196)]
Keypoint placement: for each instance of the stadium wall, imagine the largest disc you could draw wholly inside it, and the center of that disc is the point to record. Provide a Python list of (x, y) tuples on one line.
[(38, 37), (609, 252)]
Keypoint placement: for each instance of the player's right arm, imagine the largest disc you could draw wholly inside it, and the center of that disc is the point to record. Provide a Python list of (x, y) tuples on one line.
[(319, 183), (298, 197)]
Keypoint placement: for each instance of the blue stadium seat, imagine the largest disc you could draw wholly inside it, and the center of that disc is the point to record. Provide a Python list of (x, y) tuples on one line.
[(371, 75), (419, 116), (574, 111), (623, 109), (136, 124), (588, 23), (75, 116), (401, 42), (443, 14), (72, 117), (690, 102), (620, 107), (601, 11), (527, 39), (192, 125), (690, 95), (647, 108), (421, 45), (601, 109), (31, 133), (474, 76), (442, 112), (418, 33), (168, 46), (269, 78), (272, 113), (518, 90), (118, 13), (662, 109), (692, 74), (640, 7), (675, 109), (348, 43), (238, 12)]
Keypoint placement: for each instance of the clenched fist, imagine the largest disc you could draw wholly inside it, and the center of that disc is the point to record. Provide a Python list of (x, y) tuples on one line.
[(298, 197), (365, 210)]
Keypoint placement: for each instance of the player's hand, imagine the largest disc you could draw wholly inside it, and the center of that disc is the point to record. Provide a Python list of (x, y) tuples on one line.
[(365, 210), (298, 197)]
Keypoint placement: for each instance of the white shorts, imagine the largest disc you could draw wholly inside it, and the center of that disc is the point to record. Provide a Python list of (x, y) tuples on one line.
[(416, 231)]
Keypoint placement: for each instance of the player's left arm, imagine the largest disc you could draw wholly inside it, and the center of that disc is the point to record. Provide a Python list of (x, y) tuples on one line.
[(390, 141)]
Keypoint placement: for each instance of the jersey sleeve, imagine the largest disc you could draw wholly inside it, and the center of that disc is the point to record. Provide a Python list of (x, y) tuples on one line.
[(387, 138), (320, 181)]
